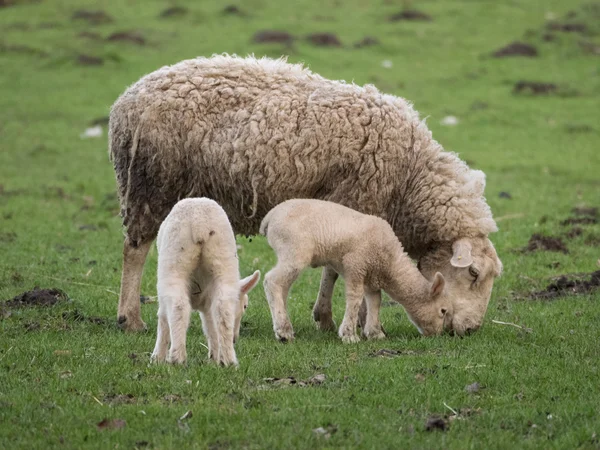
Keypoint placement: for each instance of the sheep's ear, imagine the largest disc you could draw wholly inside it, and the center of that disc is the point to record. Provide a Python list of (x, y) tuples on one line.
[(437, 287), (461, 253), (248, 283)]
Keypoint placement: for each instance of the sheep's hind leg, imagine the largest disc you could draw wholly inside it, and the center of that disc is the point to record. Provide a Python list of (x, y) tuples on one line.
[(354, 296), (372, 326), (322, 310), (277, 284), (129, 315), (178, 313)]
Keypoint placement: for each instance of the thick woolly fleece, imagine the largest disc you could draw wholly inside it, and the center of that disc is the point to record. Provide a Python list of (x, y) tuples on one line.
[(251, 133)]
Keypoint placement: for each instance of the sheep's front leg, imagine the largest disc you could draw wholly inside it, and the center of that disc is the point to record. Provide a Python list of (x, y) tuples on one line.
[(277, 284), (322, 309), (354, 295), (210, 331), (162, 336), (129, 315), (372, 326)]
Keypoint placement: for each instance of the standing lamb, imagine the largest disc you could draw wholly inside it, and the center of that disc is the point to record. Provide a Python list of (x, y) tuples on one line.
[(252, 133), (198, 270), (361, 248)]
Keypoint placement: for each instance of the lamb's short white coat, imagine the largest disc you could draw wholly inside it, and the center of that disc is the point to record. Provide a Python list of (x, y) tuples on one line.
[(198, 270)]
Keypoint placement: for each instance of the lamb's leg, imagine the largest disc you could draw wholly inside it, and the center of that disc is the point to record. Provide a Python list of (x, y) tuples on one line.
[(210, 331), (277, 284), (225, 321), (362, 314), (372, 326), (179, 318), (354, 296), (322, 309), (134, 257), (162, 336)]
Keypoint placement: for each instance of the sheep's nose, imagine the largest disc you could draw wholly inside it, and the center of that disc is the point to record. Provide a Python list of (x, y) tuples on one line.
[(471, 329)]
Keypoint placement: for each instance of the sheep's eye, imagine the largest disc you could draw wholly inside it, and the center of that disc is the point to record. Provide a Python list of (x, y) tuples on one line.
[(473, 272)]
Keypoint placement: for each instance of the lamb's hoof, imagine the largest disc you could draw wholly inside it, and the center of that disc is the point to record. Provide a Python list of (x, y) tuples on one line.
[(374, 334), (177, 358), (285, 334), (225, 362), (157, 359), (351, 339), (131, 325), (327, 325)]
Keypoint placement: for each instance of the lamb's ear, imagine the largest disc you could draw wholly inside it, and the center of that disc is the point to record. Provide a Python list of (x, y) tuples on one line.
[(437, 287), (248, 283), (461, 250)]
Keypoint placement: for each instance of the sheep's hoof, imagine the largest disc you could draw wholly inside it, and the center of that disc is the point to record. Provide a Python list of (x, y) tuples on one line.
[(285, 334), (374, 334), (157, 359), (131, 325), (351, 339)]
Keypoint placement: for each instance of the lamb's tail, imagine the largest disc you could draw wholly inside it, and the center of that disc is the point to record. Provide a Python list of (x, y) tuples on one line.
[(264, 225)]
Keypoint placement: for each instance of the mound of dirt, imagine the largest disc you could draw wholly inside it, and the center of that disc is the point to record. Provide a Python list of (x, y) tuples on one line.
[(545, 243), (410, 14), (367, 41), (534, 87), (516, 49), (89, 60), (324, 40), (127, 36), (273, 37), (574, 27), (37, 297), (564, 286), (92, 17), (174, 11)]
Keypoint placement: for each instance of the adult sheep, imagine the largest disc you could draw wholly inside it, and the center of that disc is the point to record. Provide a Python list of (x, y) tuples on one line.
[(251, 133)]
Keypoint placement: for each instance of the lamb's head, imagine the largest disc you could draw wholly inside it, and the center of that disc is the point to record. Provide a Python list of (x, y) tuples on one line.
[(246, 285), (469, 266), (431, 316)]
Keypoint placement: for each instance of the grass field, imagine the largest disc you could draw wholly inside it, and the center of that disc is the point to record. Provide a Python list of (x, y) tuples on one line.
[(66, 368)]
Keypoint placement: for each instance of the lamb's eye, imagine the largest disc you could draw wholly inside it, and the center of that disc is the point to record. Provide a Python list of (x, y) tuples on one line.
[(473, 272)]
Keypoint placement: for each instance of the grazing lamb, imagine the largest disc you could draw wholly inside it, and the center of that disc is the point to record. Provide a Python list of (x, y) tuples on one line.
[(198, 270), (252, 133), (361, 248)]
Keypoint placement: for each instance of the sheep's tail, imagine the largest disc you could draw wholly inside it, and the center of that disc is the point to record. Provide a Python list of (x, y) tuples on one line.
[(264, 225)]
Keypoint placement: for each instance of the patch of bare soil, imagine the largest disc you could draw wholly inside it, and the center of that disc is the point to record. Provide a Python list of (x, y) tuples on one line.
[(324, 40), (37, 297), (436, 423), (573, 27), (273, 37), (545, 243), (173, 11), (89, 60), (563, 286), (410, 14), (534, 88), (233, 11), (516, 49), (291, 381), (367, 41), (97, 17), (78, 316), (134, 37)]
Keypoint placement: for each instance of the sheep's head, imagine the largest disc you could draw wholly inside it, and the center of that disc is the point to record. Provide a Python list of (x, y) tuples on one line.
[(469, 266), (430, 317), (246, 285)]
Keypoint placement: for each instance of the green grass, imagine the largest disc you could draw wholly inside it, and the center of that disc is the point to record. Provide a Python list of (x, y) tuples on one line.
[(59, 377)]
